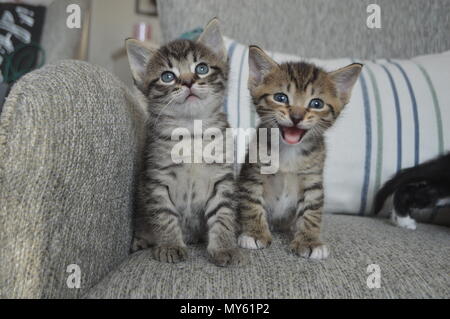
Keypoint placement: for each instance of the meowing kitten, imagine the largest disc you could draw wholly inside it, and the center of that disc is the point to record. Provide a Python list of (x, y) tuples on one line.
[(302, 101), (424, 186), (183, 203)]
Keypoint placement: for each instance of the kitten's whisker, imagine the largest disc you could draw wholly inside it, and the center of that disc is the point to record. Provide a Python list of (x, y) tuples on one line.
[(159, 114)]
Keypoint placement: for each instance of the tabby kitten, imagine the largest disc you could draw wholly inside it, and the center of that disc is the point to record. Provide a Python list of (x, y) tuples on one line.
[(183, 203), (302, 101)]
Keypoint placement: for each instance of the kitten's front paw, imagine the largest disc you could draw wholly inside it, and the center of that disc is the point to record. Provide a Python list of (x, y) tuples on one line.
[(226, 257), (254, 242), (170, 254), (139, 244), (310, 250), (403, 222)]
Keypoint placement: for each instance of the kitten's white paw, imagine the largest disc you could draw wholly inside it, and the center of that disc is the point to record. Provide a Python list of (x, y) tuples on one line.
[(320, 252), (443, 201), (249, 242), (403, 222), (316, 250)]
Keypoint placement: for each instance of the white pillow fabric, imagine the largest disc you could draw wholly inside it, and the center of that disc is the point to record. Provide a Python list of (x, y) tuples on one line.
[(395, 119)]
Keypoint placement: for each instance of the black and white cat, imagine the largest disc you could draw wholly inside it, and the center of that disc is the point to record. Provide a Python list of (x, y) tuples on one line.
[(424, 186)]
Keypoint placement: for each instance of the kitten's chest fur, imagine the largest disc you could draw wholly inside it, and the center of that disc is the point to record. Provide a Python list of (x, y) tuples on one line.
[(189, 191), (284, 189), (190, 185), (281, 193)]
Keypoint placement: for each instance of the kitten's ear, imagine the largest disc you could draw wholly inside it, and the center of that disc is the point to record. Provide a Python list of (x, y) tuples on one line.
[(259, 64), (138, 56), (344, 79), (211, 37)]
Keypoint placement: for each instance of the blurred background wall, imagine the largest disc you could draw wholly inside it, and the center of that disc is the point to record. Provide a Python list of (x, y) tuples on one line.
[(105, 24), (112, 22)]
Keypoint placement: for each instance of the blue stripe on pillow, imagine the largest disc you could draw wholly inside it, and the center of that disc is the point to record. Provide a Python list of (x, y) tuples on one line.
[(415, 113), (398, 116), (437, 109), (368, 148), (379, 126)]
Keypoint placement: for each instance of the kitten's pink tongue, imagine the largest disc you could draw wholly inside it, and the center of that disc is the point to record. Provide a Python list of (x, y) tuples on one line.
[(292, 135)]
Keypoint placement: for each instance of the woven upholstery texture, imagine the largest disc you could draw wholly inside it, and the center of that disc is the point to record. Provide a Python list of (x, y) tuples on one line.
[(319, 28), (412, 264), (69, 136)]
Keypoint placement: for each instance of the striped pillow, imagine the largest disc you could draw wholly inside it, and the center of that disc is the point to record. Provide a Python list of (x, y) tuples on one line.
[(394, 120)]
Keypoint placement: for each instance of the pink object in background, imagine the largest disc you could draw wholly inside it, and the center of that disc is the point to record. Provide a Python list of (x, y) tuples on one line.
[(142, 31)]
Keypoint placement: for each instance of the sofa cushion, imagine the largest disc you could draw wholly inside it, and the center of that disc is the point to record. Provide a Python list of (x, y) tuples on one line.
[(412, 264), (69, 136)]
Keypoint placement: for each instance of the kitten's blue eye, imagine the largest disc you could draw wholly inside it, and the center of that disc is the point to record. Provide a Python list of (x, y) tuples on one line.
[(167, 77), (281, 97), (201, 68), (316, 104)]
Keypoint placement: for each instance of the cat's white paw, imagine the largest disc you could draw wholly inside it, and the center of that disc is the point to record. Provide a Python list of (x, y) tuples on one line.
[(249, 242), (316, 250), (443, 202), (403, 222), (320, 252)]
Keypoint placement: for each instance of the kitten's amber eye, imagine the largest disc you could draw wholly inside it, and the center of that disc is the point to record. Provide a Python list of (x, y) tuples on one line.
[(167, 77), (201, 68), (316, 104), (281, 98)]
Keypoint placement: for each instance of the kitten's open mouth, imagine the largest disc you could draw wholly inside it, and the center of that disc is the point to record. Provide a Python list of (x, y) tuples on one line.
[(292, 135)]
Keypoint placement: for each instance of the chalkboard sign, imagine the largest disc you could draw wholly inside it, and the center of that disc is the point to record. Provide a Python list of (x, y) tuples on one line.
[(20, 35)]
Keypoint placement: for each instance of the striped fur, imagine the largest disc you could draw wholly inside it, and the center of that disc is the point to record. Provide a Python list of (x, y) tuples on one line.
[(291, 199), (381, 110), (179, 204)]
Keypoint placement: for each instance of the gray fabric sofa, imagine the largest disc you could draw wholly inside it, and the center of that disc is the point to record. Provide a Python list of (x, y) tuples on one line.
[(70, 140), (70, 136)]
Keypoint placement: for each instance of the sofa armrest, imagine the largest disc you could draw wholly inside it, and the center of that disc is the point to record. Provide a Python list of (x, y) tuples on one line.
[(70, 134)]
